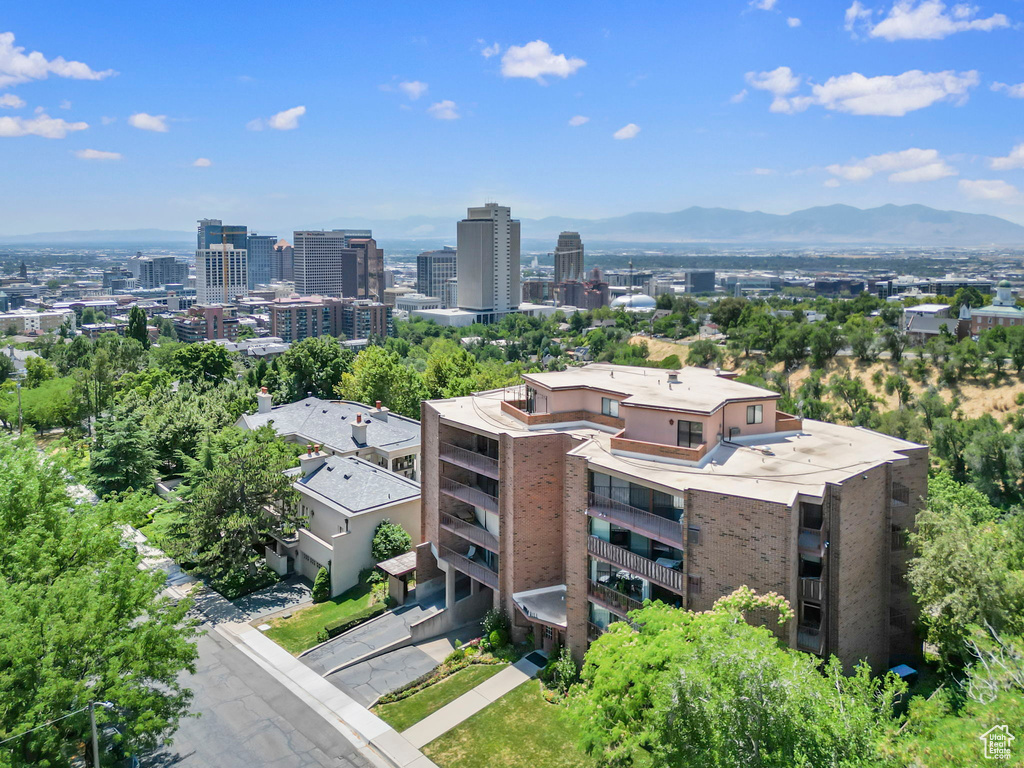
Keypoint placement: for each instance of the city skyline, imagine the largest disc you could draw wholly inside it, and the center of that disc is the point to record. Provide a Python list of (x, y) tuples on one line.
[(772, 105)]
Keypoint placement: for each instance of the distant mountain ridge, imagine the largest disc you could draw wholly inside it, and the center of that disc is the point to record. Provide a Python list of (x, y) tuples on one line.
[(822, 225)]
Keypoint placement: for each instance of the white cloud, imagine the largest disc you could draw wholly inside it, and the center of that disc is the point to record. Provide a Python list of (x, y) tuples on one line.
[(108, 120), (11, 101), (793, 21), (97, 154), (763, 5), (736, 98), (18, 67), (780, 82), (1013, 91), (832, 183), (627, 131), (413, 89), (909, 166), (444, 110), (988, 189), (1013, 160), (763, 171), (288, 120), (535, 60), (893, 95), (42, 125), (489, 50), (578, 120), (147, 122), (202, 162), (65, 104), (923, 20)]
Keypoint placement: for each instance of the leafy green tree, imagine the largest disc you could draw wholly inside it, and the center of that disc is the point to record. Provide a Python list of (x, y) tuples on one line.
[(710, 689), (896, 342), (389, 540), (79, 623), (315, 365), (245, 332), (899, 386), (854, 395), (121, 458), (726, 312), (38, 370), (791, 348), (380, 375), (321, 592), (704, 353), (137, 326), (52, 404), (6, 367), (864, 338), (451, 371), (204, 364), (825, 342)]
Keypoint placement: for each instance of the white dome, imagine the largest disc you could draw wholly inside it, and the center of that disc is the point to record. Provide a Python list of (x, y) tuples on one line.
[(639, 301)]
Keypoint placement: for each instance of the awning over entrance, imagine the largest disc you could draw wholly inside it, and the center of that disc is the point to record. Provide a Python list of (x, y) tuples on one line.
[(545, 605)]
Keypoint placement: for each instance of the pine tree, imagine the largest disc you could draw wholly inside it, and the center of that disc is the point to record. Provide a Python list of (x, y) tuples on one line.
[(121, 456), (137, 326)]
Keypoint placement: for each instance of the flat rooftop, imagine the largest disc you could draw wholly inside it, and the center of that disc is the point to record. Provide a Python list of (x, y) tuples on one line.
[(698, 389), (773, 467)]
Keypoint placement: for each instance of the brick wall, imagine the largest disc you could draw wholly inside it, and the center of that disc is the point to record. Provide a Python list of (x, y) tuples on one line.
[(575, 537)]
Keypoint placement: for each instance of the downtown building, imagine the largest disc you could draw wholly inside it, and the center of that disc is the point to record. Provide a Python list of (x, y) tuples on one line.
[(282, 263), (433, 270), (295, 319), (158, 271), (487, 263), (260, 254), (570, 500), (338, 262), (221, 274), (568, 262)]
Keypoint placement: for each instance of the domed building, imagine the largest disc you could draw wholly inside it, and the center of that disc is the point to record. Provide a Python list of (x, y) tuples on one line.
[(635, 302), (1003, 311)]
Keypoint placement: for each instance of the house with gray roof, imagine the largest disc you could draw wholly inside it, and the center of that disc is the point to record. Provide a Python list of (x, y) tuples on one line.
[(342, 500), (344, 428)]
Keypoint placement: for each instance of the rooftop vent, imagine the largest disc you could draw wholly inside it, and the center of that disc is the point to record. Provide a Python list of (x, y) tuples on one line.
[(673, 377)]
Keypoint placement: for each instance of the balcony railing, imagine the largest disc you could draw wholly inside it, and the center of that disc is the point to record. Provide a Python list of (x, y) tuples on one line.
[(809, 639), (471, 460), (900, 495), (898, 539), (785, 422), (471, 568), (649, 524), (658, 450), (469, 494), (612, 599), (593, 631), (812, 589), (898, 622), (811, 542), (470, 532), (635, 564)]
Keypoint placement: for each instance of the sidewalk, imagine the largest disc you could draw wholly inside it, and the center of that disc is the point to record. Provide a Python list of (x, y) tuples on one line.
[(468, 704)]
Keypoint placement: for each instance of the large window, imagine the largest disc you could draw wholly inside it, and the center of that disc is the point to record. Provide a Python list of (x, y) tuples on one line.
[(690, 434), (610, 407), (755, 414)]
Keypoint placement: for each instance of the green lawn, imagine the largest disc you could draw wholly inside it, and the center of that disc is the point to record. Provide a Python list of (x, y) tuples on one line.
[(297, 633), (402, 714), (519, 730)]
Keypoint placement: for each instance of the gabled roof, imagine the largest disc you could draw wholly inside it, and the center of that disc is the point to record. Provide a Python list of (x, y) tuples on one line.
[(355, 485)]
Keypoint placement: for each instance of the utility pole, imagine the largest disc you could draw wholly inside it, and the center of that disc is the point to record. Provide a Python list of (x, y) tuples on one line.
[(95, 737), (21, 429)]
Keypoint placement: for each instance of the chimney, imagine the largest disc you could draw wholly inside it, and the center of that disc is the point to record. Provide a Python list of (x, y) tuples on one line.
[(379, 412), (264, 400), (359, 429), (311, 460), (673, 377)]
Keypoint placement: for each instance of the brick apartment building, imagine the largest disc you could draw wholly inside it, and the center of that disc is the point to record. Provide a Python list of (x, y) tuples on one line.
[(298, 318), (570, 500)]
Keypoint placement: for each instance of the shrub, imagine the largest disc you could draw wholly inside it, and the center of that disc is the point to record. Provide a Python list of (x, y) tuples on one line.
[(322, 636), (322, 586), (455, 656), (494, 619), (565, 671), (389, 540), (335, 628), (497, 638)]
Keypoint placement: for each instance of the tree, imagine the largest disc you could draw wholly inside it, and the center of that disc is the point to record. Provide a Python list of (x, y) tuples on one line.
[(205, 364), (709, 689), (137, 326), (899, 386), (853, 394), (38, 370), (863, 337), (321, 586), (80, 622), (704, 353), (389, 540), (316, 365), (451, 370), (895, 342), (121, 458), (380, 375), (825, 342)]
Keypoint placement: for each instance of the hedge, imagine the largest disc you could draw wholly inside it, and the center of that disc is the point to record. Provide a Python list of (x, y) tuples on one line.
[(335, 628)]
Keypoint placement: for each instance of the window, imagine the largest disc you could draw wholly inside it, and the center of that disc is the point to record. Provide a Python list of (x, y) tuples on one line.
[(693, 584), (755, 414), (690, 434), (610, 407), (693, 534)]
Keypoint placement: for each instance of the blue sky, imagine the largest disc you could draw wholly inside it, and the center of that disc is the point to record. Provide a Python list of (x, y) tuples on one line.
[(301, 112)]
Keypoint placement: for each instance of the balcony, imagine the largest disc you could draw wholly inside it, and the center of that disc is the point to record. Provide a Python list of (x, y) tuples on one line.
[(811, 542), (649, 524), (469, 494), (471, 532), (898, 622), (593, 631), (471, 568), (900, 495), (517, 410), (471, 460), (898, 539), (809, 639), (658, 450), (611, 599), (785, 422), (812, 589), (669, 578)]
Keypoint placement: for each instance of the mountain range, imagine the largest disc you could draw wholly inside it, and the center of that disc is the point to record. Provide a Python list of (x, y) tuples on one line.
[(823, 225)]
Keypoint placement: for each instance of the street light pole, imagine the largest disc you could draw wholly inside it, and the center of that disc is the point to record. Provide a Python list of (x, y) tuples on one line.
[(95, 737), (21, 429)]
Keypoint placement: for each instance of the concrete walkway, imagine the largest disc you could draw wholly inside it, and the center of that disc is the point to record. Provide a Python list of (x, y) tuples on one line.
[(468, 704)]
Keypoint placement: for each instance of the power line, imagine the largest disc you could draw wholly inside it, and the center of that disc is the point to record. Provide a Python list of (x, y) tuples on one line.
[(44, 725)]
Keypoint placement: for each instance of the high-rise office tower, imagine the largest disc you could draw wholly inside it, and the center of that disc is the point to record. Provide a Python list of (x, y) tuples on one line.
[(155, 271), (433, 270), (488, 262), (215, 232), (327, 262), (282, 265), (260, 254), (221, 274), (568, 257)]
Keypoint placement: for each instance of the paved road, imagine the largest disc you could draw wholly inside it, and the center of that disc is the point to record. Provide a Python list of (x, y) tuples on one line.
[(249, 720)]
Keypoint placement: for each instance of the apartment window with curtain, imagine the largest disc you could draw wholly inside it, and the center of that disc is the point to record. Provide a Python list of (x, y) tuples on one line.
[(690, 434), (755, 414), (610, 407)]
